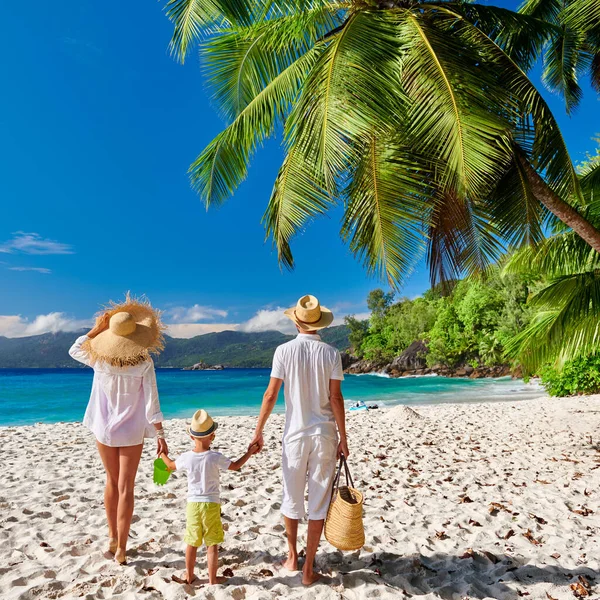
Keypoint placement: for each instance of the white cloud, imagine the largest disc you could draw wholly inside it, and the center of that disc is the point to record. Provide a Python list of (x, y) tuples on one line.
[(189, 330), (193, 314), (269, 320), (14, 326), (33, 243), (37, 269)]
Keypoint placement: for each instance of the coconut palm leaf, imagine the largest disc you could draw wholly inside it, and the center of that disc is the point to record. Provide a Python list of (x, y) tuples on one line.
[(222, 166), (582, 14), (241, 61), (517, 213), (451, 116), (565, 58), (520, 35), (297, 198), (566, 326), (388, 200), (462, 239), (333, 119), (572, 48), (193, 19), (546, 148)]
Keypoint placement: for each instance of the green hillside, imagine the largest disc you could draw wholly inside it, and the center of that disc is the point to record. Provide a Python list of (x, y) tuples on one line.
[(229, 348)]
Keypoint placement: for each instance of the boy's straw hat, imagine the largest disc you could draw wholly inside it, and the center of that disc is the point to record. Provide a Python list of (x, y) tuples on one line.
[(135, 330), (202, 425), (309, 315)]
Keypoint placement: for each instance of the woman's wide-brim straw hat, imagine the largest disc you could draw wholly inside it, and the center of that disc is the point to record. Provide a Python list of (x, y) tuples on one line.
[(135, 331), (309, 315), (202, 425)]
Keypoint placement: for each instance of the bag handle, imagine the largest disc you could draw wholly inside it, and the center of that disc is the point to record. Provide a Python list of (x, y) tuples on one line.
[(336, 481)]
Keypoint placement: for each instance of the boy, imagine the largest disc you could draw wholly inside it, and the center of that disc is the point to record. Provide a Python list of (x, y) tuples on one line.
[(204, 508)]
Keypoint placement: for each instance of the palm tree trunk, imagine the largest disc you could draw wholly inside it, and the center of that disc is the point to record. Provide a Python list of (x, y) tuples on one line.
[(559, 208)]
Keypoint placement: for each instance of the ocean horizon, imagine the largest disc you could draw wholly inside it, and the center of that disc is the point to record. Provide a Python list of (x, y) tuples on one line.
[(29, 396)]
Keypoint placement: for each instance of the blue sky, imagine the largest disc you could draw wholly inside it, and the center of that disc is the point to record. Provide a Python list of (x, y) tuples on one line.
[(99, 125)]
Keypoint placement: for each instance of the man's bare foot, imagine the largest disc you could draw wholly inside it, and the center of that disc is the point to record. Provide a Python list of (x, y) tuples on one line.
[(217, 580), (112, 545), (290, 563), (308, 578), (185, 579), (121, 556)]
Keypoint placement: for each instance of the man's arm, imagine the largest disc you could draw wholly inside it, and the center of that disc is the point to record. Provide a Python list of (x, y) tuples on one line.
[(268, 403), (339, 413)]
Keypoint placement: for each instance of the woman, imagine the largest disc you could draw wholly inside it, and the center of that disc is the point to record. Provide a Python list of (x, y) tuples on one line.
[(123, 407)]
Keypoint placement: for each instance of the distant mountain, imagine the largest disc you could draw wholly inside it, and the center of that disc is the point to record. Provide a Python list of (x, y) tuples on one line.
[(229, 348)]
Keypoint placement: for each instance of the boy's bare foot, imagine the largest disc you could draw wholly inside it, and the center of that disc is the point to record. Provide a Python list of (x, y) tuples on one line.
[(217, 580), (290, 563), (308, 578)]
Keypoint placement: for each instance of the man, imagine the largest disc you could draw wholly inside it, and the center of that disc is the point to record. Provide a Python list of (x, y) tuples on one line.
[(314, 406)]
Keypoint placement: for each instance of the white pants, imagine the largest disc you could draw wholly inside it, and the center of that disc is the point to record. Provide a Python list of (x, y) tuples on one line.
[(313, 457)]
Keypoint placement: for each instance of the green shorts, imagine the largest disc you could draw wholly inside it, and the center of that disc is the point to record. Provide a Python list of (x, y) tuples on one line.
[(203, 523)]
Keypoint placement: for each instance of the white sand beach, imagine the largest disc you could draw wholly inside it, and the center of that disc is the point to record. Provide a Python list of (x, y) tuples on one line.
[(496, 500)]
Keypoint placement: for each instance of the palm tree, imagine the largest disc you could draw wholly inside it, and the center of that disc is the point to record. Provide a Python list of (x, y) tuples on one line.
[(566, 324), (573, 47), (415, 116)]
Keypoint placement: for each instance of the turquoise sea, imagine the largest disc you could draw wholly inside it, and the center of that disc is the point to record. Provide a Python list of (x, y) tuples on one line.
[(29, 396)]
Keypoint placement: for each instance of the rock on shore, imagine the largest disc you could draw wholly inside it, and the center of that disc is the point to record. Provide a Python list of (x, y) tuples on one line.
[(413, 362)]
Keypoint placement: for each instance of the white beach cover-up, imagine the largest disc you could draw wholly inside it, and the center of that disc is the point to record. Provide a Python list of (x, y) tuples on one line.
[(124, 401), (306, 365)]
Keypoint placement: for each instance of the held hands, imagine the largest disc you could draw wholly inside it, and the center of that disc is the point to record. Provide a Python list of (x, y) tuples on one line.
[(254, 448), (162, 447), (100, 326), (257, 440), (343, 448)]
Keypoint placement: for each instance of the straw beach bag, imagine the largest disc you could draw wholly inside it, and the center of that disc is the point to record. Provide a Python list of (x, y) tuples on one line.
[(344, 525)]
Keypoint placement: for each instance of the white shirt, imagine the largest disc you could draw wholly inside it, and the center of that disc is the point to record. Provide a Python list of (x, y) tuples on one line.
[(203, 471), (306, 365), (124, 400)]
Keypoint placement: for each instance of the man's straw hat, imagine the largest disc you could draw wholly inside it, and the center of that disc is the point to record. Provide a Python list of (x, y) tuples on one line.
[(309, 315), (135, 330), (202, 425)]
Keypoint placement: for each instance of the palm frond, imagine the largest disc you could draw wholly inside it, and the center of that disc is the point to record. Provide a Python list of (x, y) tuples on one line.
[(355, 81), (452, 115), (462, 239), (222, 166), (557, 256), (582, 14), (297, 198), (387, 208), (516, 212), (193, 19), (549, 152), (241, 61), (563, 60), (566, 326), (545, 10), (521, 36)]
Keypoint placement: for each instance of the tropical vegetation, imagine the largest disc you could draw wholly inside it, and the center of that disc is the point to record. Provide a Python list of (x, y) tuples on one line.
[(416, 117), (471, 325)]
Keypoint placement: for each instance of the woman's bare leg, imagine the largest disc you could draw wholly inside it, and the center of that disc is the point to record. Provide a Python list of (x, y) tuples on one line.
[(129, 459), (110, 460)]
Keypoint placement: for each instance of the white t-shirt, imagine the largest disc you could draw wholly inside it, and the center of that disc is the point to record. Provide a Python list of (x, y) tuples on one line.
[(203, 474), (306, 365)]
